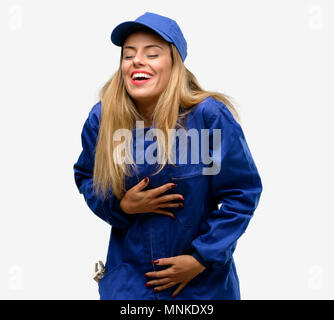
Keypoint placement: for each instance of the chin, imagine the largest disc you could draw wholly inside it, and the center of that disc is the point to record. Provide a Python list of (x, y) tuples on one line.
[(142, 96)]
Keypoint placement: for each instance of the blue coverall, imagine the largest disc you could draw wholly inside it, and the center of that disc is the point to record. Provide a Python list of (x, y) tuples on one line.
[(202, 228)]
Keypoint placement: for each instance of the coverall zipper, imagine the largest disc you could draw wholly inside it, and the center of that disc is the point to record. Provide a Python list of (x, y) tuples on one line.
[(152, 252)]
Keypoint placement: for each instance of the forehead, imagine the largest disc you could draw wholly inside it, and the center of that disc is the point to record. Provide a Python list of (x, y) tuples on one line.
[(143, 38)]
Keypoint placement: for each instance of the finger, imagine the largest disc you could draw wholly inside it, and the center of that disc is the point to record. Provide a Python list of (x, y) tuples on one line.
[(159, 190), (171, 205), (142, 184), (165, 261), (168, 285), (157, 282), (168, 197), (157, 274), (167, 213), (179, 288)]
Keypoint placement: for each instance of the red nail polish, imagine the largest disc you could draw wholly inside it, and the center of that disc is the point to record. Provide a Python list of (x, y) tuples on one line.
[(145, 275), (155, 261), (155, 290), (146, 179), (172, 217), (173, 296), (181, 198), (147, 285), (174, 185), (181, 205)]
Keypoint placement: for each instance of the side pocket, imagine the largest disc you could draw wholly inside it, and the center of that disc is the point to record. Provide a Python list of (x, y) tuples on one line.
[(121, 283), (109, 272)]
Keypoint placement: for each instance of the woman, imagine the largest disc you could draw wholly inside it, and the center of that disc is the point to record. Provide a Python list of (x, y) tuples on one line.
[(176, 211)]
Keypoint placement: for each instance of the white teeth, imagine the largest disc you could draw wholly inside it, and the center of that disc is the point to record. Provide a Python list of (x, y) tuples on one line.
[(141, 75)]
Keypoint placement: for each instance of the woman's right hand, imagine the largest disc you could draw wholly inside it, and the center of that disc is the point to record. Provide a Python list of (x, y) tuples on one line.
[(136, 200)]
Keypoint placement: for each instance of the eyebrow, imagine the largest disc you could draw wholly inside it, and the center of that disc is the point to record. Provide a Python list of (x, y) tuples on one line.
[(148, 46)]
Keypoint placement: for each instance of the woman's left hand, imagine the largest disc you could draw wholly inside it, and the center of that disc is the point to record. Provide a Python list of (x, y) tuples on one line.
[(183, 269)]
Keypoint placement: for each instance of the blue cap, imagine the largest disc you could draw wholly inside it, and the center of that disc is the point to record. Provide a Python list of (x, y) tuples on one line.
[(165, 27)]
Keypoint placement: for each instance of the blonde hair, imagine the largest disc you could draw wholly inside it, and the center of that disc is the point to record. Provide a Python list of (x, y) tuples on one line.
[(119, 112)]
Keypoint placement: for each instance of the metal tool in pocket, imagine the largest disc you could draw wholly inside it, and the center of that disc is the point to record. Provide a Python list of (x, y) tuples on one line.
[(99, 271)]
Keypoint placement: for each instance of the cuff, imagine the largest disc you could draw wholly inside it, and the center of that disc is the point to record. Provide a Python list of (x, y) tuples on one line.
[(200, 260), (117, 206)]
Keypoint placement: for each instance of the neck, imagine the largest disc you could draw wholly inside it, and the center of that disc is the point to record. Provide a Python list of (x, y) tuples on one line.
[(146, 111)]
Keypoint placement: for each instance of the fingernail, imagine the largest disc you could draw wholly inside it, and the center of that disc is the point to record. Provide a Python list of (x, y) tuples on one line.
[(173, 296), (147, 285), (155, 261), (155, 290), (145, 275), (146, 179), (181, 198), (172, 217), (174, 185), (181, 205)]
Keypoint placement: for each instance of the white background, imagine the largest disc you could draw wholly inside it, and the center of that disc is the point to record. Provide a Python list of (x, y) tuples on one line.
[(274, 57)]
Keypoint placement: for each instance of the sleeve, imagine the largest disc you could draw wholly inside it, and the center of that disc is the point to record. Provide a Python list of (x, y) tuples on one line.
[(108, 209), (237, 187)]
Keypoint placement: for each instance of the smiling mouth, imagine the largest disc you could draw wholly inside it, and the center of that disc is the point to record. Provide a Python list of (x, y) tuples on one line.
[(140, 80)]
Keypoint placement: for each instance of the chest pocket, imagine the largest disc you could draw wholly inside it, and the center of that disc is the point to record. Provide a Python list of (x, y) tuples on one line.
[(193, 186)]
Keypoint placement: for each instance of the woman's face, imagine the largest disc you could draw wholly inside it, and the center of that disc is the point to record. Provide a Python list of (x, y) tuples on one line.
[(148, 53)]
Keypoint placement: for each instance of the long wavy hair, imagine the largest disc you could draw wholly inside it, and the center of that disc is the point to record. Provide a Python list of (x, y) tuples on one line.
[(120, 112)]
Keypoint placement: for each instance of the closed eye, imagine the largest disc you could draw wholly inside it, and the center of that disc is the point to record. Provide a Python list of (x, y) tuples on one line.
[(150, 56)]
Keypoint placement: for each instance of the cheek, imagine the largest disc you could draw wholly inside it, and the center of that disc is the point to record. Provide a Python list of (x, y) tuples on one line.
[(124, 69), (163, 68), (165, 77)]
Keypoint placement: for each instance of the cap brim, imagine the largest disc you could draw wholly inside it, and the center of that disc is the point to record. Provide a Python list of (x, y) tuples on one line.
[(120, 32)]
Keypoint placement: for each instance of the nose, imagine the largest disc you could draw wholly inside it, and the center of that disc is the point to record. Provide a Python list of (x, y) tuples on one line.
[(138, 59)]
